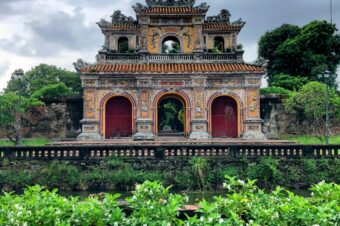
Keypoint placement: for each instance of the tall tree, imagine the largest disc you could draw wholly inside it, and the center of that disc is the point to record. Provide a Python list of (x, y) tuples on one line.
[(304, 52), (44, 75)]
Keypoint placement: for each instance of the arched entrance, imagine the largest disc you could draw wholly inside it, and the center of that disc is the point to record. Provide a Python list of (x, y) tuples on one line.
[(171, 45), (171, 115), (171, 118), (224, 117), (219, 44), (118, 117)]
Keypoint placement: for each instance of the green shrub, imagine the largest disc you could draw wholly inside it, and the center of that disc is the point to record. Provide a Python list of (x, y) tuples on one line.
[(61, 175), (275, 90), (184, 180), (266, 172), (52, 91), (231, 171), (153, 204)]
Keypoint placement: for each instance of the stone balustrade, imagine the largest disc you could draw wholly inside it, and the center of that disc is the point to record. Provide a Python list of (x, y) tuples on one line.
[(169, 151), (233, 57)]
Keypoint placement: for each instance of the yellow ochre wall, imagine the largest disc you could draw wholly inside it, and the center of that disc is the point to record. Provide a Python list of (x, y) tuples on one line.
[(157, 34)]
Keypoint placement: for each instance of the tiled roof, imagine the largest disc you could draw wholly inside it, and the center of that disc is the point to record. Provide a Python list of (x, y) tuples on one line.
[(171, 10), (220, 26), (120, 27), (170, 68)]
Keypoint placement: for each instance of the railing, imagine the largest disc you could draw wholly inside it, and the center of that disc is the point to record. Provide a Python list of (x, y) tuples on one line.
[(220, 57), (178, 57), (170, 57), (122, 57), (168, 151)]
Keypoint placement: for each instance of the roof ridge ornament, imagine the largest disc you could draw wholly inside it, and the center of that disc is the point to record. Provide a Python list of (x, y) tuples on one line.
[(157, 3), (222, 17)]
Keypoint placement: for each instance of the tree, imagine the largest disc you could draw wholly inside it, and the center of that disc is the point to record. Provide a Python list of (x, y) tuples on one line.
[(52, 91), (44, 75), (9, 111), (303, 52), (293, 83), (309, 102)]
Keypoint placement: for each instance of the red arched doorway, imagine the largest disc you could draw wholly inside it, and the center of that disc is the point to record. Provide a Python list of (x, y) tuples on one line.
[(224, 117), (118, 114)]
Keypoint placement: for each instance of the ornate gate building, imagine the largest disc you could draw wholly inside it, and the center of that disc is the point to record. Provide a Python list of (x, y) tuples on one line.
[(172, 51)]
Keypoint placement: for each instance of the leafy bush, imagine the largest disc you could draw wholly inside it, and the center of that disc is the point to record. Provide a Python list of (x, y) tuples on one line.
[(60, 175), (288, 82), (266, 172), (52, 91), (275, 90), (153, 204)]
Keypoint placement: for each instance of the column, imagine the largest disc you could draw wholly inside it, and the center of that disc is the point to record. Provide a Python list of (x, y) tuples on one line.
[(199, 123)]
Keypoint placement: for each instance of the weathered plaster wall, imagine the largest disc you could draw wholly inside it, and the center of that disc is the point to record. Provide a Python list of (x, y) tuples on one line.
[(279, 123), (58, 119)]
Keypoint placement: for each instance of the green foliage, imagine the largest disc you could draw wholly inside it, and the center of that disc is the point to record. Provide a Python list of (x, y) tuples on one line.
[(292, 83), (184, 180), (153, 204), (200, 168), (45, 75), (313, 139), (38, 206), (61, 175), (305, 51), (27, 142), (266, 172), (9, 111), (52, 91), (171, 115), (310, 102), (275, 90), (171, 46)]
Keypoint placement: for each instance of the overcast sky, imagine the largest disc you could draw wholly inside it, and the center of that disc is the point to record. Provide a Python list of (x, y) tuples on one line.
[(59, 32)]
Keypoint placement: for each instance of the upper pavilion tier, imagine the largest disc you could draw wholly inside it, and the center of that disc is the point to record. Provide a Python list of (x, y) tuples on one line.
[(171, 31)]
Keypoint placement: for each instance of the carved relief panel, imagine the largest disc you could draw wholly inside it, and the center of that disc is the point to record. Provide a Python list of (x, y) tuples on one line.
[(184, 34), (144, 104), (253, 103), (230, 82), (89, 101)]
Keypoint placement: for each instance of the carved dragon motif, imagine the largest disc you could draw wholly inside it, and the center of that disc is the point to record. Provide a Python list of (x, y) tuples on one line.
[(80, 64), (223, 17)]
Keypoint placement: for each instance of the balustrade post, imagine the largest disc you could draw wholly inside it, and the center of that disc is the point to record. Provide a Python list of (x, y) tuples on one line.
[(9, 153), (159, 153), (308, 152), (233, 152)]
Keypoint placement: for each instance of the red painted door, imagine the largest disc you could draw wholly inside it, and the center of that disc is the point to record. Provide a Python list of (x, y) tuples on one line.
[(224, 117), (118, 118)]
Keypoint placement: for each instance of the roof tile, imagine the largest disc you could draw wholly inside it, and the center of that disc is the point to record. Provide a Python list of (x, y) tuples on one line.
[(169, 68)]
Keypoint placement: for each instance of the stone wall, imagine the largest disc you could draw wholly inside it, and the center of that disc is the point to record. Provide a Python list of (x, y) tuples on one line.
[(57, 119), (278, 123), (61, 119)]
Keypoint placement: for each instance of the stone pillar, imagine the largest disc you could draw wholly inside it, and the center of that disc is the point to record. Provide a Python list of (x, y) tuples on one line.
[(199, 123), (90, 123), (253, 122), (144, 121)]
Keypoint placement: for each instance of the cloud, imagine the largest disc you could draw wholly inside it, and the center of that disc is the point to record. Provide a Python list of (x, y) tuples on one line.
[(4, 66), (57, 32), (61, 31)]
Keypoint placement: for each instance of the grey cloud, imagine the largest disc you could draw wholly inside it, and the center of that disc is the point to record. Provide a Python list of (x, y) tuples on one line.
[(4, 66), (9, 7), (56, 32)]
